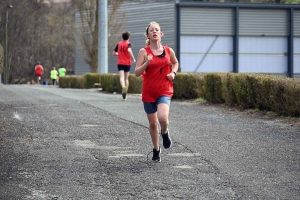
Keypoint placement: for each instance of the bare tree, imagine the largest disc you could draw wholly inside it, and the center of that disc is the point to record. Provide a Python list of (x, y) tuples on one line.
[(87, 29), (37, 31)]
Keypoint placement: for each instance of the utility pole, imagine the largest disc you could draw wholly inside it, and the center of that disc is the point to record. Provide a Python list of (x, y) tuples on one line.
[(6, 74), (102, 37)]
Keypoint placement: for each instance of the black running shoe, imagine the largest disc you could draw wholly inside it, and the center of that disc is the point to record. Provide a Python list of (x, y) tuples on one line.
[(156, 155), (124, 93), (124, 96), (166, 140)]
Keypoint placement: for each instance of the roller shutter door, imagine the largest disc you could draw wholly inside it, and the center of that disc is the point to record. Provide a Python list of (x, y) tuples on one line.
[(297, 23), (206, 21), (263, 22)]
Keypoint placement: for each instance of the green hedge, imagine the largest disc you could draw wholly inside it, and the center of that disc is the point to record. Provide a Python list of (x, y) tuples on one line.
[(263, 92), (71, 82), (213, 88), (90, 79), (189, 86), (110, 82)]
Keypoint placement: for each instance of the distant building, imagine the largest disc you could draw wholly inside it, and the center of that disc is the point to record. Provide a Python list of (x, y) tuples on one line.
[(136, 16), (53, 1), (215, 37)]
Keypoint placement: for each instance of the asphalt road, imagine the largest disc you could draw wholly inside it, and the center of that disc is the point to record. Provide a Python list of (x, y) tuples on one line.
[(85, 144)]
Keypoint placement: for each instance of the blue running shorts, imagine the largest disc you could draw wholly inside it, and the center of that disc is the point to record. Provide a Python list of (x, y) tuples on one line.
[(151, 107)]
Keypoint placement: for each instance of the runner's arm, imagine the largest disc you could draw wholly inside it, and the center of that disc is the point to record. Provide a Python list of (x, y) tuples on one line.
[(131, 54), (174, 61), (142, 62), (115, 52)]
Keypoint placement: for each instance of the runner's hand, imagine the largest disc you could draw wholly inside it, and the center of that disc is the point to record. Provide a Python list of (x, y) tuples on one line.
[(171, 76), (149, 58)]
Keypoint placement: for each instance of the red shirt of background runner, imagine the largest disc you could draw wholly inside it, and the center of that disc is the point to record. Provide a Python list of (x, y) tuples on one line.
[(124, 57), (38, 70)]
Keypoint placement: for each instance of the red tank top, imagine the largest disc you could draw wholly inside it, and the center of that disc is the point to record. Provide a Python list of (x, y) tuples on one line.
[(155, 81), (124, 57), (38, 70)]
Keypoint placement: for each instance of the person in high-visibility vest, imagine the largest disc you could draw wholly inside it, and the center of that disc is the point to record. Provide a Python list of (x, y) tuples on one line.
[(53, 75), (62, 71)]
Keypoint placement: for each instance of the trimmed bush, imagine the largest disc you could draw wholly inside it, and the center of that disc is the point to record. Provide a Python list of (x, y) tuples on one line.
[(90, 79), (110, 82), (213, 86), (264, 92), (135, 84), (188, 86), (71, 82), (228, 93)]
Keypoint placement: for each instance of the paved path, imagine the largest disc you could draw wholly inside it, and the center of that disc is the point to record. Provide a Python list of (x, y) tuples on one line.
[(85, 144)]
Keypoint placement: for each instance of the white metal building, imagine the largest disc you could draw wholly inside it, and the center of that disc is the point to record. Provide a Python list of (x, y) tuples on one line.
[(218, 37), (225, 37)]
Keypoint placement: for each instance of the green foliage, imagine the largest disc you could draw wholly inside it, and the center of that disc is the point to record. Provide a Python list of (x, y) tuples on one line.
[(71, 82), (135, 84), (264, 93), (261, 92), (213, 86), (110, 83), (90, 79), (287, 97), (243, 86), (200, 100), (188, 86), (228, 93), (251, 82)]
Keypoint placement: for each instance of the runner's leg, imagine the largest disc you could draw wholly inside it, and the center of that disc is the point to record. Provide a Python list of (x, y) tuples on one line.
[(153, 129), (126, 75), (122, 82), (163, 116)]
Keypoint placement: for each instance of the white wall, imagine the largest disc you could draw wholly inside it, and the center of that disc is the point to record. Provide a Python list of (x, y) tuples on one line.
[(206, 54), (297, 55), (263, 54)]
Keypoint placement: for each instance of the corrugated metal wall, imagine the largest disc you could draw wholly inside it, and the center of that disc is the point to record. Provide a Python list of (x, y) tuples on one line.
[(297, 22), (263, 22), (80, 66), (266, 50), (206, 21), (263, 41), (297, 43), (206, 39), (137, 17)]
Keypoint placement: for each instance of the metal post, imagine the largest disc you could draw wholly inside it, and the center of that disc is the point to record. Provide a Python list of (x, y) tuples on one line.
[(236, 41), (290, 56), (5, 67), (102, 37), (178, 33), (6, 74)]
